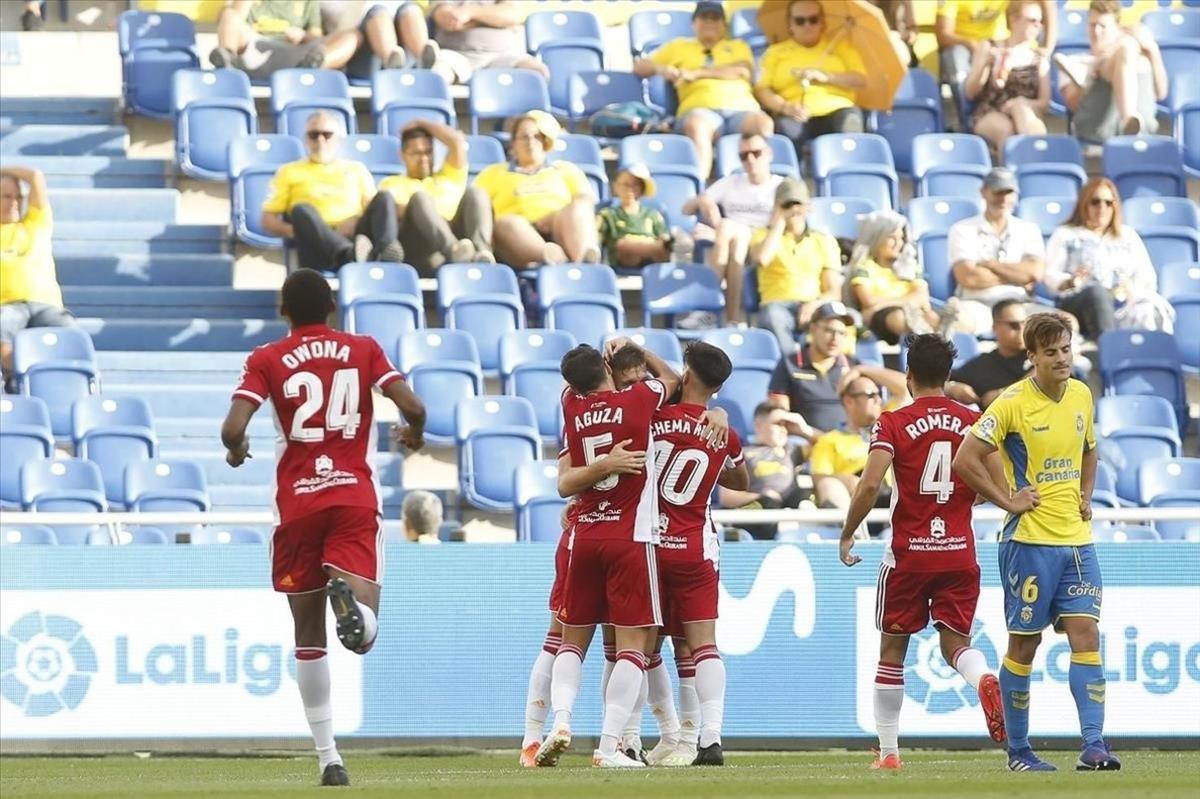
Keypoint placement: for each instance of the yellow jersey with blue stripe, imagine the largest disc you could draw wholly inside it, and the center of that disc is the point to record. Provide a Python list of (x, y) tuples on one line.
[(1042, 443)]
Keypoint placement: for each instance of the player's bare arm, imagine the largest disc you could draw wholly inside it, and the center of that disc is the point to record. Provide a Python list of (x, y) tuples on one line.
[(574, 479), (736, 479), (233, 431), (1087, 482), (970, 464), (995, 468), (661, 370), (412, 409), (863, 499)]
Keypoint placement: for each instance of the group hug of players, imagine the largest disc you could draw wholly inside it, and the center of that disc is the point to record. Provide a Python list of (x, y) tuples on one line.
[(640, 554)]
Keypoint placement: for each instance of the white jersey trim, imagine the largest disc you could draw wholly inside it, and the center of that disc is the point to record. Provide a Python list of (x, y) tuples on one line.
[(250, 395)]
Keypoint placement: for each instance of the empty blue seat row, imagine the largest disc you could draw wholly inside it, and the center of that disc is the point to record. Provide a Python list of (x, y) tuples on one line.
[(170, 302), (144, 270)]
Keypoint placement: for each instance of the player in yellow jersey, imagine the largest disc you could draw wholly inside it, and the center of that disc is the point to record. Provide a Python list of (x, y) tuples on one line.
[(1043, 429)]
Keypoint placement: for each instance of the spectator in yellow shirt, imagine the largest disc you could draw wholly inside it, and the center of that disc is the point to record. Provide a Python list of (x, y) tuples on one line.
[(545, 212), (839, 456), (29, 293), (328, 205), (441, 220), (809, 82), (800, 268), (264, 36), (711, 74)]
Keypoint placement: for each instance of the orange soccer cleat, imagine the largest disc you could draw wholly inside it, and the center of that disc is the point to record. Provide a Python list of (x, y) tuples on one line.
[(529, 755), (888, 763), (992, 702)]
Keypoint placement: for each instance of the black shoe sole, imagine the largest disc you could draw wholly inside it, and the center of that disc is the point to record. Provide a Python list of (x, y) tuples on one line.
[(350, 628), (1106, 765)]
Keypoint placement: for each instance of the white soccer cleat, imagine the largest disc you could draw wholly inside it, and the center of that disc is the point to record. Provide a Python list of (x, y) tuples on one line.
[(682, 755), (553, 747), (617, 759)]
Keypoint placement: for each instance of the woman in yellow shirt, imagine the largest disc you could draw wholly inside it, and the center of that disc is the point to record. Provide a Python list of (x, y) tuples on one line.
[(885, 281), (809, 82), (544, 212)]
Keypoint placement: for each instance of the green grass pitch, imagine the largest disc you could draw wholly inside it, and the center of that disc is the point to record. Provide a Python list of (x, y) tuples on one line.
[(496, 776)]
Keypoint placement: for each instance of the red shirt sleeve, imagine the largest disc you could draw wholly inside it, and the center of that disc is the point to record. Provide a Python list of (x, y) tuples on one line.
[(255, 385), (883, 435), (653, 390), (382, 372), (733, 451)]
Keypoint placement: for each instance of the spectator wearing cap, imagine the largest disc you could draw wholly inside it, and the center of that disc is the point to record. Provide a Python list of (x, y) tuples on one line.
[(422, 514), (809, 81), (839, 456), (711, 74), (480, 34), (635, 234), (738, 209), (544, 212), (773, 463), (811, 380), (799, 268), (328, 206), (264, 36), (29, 292), (980, 380), (994, 256), (440, 219)]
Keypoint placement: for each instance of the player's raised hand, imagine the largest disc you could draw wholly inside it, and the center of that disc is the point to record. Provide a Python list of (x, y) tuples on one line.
[(622, 461), (1024, 500), (848, 557), (716, 428), (408, 437), (236, 457), (615, 344)]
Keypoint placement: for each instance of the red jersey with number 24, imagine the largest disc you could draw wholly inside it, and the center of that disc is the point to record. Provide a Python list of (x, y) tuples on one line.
[(687, 469), (931, 505), (319, 382), (619, 506)]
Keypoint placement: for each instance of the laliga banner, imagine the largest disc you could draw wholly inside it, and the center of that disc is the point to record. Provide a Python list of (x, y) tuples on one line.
[(189, 642)]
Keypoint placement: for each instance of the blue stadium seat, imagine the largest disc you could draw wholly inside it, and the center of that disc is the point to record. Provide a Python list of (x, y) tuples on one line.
[(1048, 213), (139, 535), (584, 152), (938, 214), (1167, 245), (671, 289), (211, 108), (663, 343), (588, 91), (100, 140), (398, 96), (485, 301), (296, 94), (650, 29), (1163, 477), (1143, 362), (916, 110), (856, 165), (538, 505), (744, 391), (581, 299), (69, 485), (379, 154), (1117, 411), (1138, 445), (783, 155), (1145, 166), (949, 164), (676, 185), (1187, 329), (1187, 133), (253, 161), (1046, 166), (25, 435), (381, 300), (839, 216), (503, 93), (1144, 212), (1179, 58), (495, 435), (153, 46), (1123, 533), (57, 364), (743, 24), (550, 28), (657, 150), (1173, 25), (1179, 529), (482, 151), (165, 485), (752, 348), (1180, 277), (27, 535), (442, 367), (529, 368), (113, 432), (226, 535), (1072, 27), (563, 57)]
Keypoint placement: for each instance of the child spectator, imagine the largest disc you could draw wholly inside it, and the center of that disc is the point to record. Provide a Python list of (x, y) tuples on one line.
[(635, 234)]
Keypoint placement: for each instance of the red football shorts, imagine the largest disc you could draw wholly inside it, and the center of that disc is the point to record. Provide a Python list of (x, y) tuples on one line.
[(689, 592), (562, 556), (345, 538), (611, 581), (905, 602)]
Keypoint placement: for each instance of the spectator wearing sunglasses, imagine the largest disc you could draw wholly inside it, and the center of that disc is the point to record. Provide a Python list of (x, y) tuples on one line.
[(839, 456), (1100, 271), (809, 82), (327, 206), (711, 74), (982, 379)]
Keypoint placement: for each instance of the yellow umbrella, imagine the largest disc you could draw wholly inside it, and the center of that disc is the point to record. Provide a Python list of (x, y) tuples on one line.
[(861, 25)]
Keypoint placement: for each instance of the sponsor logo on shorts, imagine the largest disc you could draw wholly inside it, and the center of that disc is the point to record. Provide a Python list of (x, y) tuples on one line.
[(1086, 589)]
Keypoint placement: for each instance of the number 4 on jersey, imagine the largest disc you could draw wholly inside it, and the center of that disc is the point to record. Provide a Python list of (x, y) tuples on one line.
[(937, 478)]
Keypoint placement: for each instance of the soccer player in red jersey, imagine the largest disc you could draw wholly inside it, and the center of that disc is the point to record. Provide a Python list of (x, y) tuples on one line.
[(929, 570), (612, 573), (687, 469), (329, 539)]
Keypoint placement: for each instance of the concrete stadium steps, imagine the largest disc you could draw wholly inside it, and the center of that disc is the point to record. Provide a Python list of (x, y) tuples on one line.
[(182, 436), (115, 205), (194, 400), (261, 496), (158, 302), (109, 140), (95, 111), (162, 368), (182, 335), (144, 270), (260, 469), (137, 238), (98, 172)]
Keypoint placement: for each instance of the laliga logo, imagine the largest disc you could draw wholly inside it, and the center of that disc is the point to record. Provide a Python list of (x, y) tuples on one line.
[(930, 680), (742, 623), (48, 664)]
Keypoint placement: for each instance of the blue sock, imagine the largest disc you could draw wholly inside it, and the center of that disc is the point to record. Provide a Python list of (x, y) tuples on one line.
[(1014, 687), (1087, 686)]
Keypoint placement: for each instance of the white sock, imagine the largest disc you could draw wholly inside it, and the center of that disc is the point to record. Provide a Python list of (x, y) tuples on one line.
[(889, 697), (312, 675), (689, 702), (710, 690), (564, 683), (971, 664), (537, 697), (623, 689), (662, 701), (370, 624), (610, 660), (633, 725)]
